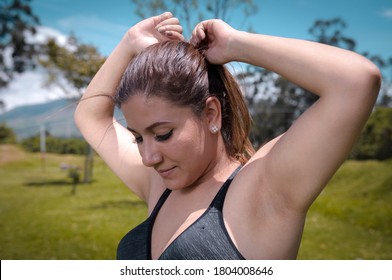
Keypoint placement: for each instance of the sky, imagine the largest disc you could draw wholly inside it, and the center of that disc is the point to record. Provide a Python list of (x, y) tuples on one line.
[(102, 23)]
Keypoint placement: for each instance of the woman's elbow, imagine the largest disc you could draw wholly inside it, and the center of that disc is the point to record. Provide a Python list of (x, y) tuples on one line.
[(370, 79)]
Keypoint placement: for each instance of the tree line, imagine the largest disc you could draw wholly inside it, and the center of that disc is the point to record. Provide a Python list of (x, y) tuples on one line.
[(274, 102)]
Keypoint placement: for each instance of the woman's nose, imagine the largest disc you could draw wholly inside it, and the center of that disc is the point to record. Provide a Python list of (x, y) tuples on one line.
[(151, 156)]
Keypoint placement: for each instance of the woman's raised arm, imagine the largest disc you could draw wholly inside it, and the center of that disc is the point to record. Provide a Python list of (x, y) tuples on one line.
[(298, 165), (94, 114)]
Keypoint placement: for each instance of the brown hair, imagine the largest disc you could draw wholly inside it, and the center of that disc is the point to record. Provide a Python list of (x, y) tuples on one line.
[(180, 74)]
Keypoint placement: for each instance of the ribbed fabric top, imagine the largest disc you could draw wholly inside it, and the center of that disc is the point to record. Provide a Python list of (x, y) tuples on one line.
[(205, 239)]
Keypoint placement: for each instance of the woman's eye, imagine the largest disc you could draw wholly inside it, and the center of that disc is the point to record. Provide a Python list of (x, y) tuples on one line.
[(164, 137), (138, 140)]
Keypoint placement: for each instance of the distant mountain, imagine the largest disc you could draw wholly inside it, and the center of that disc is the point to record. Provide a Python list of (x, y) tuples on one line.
[(55, 116)]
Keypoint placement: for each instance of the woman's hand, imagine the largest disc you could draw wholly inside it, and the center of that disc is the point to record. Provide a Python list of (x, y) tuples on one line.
[(214, 37), (153, 30)]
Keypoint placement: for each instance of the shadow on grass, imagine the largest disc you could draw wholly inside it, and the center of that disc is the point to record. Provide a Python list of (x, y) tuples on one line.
[(53, 183), (49, 183), (119, 204)]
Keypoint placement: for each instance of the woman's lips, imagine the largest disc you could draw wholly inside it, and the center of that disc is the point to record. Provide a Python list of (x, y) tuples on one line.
[(166, 172)]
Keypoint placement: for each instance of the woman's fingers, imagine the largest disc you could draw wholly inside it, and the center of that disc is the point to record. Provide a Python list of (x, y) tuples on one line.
[(168, 26), (169, 21), (198, 34), (171, 29), (174, 35), (161, 18), (166, 22)]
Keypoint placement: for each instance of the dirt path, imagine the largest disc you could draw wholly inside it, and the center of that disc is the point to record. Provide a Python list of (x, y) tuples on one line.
[(10, 153)]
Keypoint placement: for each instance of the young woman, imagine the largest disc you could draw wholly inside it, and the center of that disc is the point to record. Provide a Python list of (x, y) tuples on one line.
[(185, 149)]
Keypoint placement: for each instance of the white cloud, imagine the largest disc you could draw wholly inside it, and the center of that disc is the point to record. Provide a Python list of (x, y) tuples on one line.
[(40, 37), (44, 33), (27, 88), (387, 13)]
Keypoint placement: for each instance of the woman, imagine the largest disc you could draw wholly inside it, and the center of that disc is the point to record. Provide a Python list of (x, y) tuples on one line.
[(209, 195)]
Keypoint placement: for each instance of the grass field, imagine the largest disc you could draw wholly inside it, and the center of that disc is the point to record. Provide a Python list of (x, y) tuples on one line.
[(41, 219)]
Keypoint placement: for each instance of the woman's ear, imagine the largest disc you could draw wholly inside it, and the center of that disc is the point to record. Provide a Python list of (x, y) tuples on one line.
[(213, 114)]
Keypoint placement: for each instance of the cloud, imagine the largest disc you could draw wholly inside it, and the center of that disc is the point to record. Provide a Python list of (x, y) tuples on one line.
[(387, 13), (27, 88), (44, 33)]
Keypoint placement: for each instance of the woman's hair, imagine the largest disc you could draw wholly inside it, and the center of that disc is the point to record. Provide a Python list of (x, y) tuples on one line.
[(179, 73)]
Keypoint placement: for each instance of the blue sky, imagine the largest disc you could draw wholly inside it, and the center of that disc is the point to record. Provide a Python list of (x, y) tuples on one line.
[(102, 23)]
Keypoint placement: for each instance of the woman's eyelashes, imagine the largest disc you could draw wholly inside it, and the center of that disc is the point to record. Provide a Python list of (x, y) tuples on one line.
[(159, 138), (164, 137), (138, 139)]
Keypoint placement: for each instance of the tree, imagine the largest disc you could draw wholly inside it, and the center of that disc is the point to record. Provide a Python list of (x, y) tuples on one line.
[(270, 104), (17, 21), (2, 107), (7, 135), (190, 12), (330, 32), (376, 140), (72, 67)]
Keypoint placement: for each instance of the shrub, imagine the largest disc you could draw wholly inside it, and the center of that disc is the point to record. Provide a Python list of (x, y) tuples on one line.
[(7, 135), (375, 141), (56, 145)]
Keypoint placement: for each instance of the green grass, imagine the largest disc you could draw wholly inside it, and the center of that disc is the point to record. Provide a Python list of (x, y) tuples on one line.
[(352, 217), (40, 219)]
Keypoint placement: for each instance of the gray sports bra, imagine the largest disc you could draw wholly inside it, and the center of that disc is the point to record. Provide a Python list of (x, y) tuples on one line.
[(206, 239)]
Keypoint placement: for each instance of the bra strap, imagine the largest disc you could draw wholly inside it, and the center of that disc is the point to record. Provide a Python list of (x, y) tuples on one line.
[(220, 197), (160, 202)]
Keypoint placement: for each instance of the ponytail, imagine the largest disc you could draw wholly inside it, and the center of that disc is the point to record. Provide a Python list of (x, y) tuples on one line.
[(236, 121)]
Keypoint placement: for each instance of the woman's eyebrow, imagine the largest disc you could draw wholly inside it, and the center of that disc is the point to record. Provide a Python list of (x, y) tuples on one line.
[(150, 127)]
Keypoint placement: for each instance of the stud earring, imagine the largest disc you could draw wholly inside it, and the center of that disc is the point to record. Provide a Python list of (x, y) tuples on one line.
[(214, 129)]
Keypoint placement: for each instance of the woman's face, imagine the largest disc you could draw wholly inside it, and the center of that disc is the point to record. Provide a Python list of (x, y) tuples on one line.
[(171, 139)]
